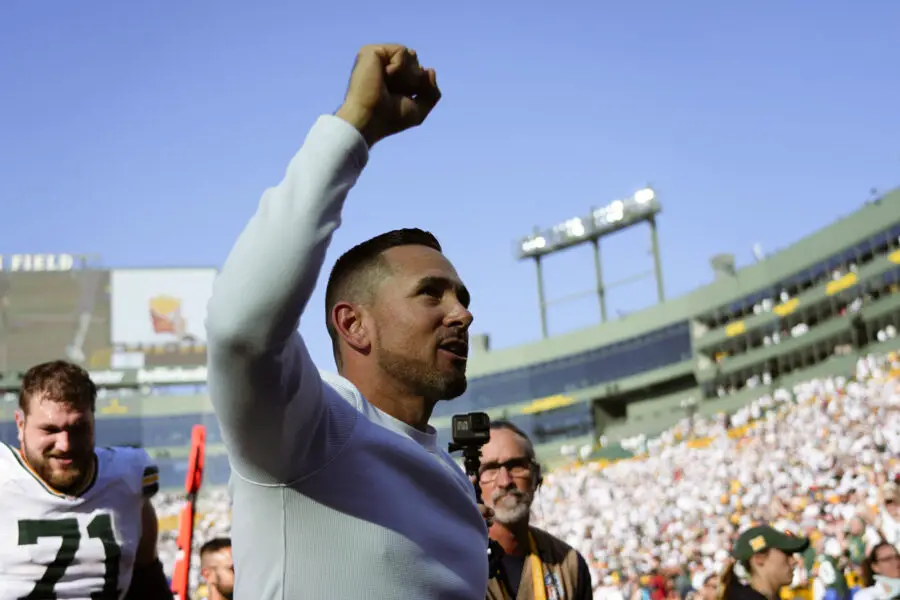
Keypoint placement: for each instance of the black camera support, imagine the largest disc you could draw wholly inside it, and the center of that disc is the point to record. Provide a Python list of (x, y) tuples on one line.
[(470, 432)]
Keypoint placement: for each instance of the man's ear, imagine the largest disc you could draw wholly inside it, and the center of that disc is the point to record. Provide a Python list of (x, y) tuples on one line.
[(348, 321), (538, 476), (20, 424)]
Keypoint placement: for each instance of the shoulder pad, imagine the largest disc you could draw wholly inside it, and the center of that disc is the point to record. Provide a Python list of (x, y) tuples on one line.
[(150, 482), (137, 466)]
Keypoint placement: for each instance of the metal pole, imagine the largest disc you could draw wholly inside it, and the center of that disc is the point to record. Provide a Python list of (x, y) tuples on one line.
[(657, 263), (541, 301), (598, 269)]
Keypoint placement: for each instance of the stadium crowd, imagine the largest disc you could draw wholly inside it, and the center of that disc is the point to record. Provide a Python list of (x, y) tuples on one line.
[(819, 460)]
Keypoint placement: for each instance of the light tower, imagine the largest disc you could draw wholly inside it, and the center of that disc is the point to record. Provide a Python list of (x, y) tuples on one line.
[(641, 207)]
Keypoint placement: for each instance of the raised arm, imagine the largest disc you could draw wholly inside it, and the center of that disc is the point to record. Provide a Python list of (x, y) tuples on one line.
[(257, 361), (266, 392)]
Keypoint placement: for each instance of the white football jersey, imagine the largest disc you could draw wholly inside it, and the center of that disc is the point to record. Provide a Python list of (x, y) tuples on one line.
[(54, 546)]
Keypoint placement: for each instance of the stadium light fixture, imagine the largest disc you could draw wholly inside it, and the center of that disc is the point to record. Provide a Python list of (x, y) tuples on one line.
[(640, 206)]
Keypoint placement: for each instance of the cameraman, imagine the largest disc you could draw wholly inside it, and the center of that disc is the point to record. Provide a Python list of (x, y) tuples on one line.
[(537, 565)]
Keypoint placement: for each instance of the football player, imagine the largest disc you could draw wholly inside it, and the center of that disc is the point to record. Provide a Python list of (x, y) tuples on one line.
[(75, 521)]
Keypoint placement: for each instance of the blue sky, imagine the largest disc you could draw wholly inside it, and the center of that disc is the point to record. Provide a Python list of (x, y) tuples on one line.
[(146, 132)]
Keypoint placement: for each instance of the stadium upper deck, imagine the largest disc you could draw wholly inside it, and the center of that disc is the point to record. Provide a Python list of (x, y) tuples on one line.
[(810, 308)]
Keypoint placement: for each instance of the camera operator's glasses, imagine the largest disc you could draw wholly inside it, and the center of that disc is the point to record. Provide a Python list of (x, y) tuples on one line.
[(516, 467)]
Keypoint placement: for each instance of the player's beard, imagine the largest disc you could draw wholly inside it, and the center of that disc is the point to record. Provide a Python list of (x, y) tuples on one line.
[(510, 506), (425, 380), (69, 479), (227, 593)]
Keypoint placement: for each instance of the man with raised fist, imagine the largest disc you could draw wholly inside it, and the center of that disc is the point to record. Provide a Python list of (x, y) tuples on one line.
[(340, 490)]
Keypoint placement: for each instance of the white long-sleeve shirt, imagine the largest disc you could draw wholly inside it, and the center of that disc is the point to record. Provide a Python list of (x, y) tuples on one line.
[(332, 498)]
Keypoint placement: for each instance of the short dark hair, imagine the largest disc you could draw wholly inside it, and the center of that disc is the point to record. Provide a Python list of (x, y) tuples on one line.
[(510, 426), (215, 545), (355, 272), (59, 381)]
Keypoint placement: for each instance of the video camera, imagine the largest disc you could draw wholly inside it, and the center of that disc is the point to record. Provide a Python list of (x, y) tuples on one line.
[(470, 430)]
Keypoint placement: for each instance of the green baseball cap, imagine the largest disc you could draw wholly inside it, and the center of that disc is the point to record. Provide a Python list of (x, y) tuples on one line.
[(763, 537)]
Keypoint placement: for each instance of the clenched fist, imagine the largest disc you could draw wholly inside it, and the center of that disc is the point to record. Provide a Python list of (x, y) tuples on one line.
[(389, 92)]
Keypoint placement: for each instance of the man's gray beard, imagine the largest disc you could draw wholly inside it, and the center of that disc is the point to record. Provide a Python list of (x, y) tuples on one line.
[(512, 515)]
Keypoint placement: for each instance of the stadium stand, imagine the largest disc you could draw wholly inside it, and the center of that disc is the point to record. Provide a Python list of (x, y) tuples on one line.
[(41, 312), (820, 458)]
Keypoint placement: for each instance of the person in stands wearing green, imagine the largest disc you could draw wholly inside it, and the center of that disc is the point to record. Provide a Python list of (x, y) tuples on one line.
[(856, 541), (831, 572), (767, 557)]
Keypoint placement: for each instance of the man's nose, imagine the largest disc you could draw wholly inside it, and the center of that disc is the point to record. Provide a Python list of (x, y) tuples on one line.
[(62, 442), (504, 479), (459, 316)]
